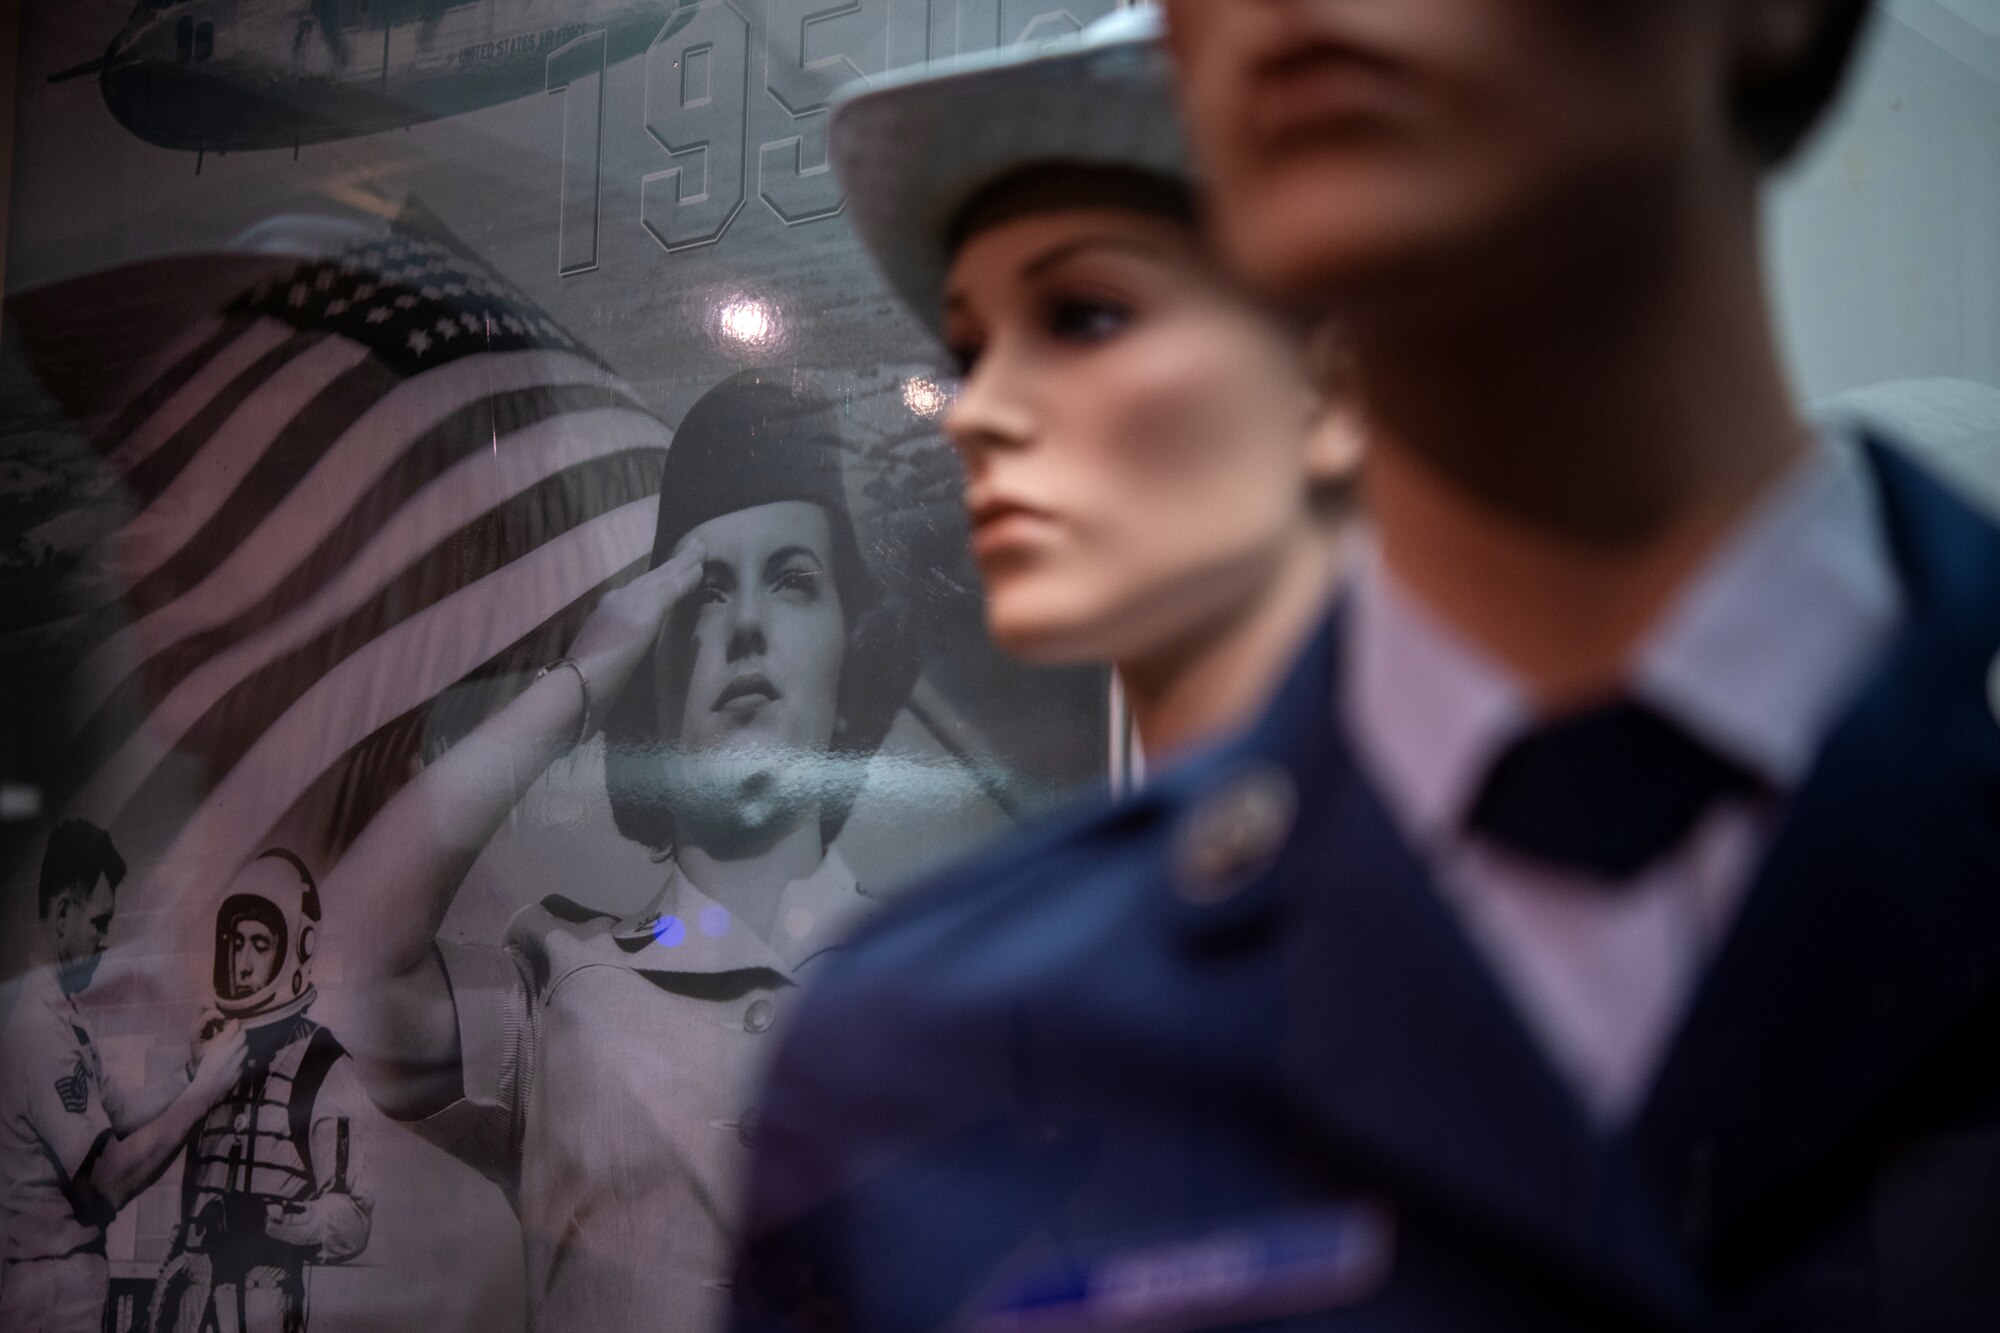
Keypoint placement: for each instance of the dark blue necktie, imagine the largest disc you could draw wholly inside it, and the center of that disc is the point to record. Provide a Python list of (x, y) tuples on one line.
[(1607, 791)]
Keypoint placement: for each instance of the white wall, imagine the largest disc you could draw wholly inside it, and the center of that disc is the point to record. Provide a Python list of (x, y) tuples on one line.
[(1886, 237)]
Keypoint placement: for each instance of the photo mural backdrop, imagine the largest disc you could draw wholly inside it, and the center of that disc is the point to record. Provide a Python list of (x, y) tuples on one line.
[(346, 348), (356, 357)]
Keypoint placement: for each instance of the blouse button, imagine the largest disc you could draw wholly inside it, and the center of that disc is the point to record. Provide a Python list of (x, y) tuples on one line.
[(757, 1018)]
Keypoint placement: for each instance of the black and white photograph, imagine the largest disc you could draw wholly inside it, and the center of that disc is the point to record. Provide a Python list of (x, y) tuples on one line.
[(368, 365)]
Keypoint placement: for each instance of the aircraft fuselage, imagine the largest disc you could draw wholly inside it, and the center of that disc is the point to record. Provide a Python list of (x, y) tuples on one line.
[(228, 75)]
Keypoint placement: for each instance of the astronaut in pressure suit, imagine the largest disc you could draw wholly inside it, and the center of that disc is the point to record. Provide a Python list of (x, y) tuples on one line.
[(273, 1178)]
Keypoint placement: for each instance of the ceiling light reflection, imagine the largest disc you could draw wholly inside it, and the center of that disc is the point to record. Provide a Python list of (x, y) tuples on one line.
[(925, 398), (748, 321)]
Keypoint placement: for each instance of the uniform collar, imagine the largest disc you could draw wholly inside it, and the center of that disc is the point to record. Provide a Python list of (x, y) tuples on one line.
[(40, 983), (1866, 948), (1868, 952), (686, 931), (1430, 711)]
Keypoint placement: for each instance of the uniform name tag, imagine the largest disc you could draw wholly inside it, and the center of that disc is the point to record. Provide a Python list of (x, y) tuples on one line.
[(1260, 1270)]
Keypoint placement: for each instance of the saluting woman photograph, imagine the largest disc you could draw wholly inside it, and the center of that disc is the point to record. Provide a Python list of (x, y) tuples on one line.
[(599, 1067)]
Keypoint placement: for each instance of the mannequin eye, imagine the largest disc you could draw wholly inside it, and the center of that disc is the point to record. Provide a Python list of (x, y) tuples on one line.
[(964, 356), (1080, 319)]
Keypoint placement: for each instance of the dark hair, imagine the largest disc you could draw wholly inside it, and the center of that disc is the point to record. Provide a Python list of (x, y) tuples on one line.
[(1042, 186), (761, 437), (1776, 110), (77, 853)]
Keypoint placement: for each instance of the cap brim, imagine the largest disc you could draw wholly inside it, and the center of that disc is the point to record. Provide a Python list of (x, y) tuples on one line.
[(913, 149)]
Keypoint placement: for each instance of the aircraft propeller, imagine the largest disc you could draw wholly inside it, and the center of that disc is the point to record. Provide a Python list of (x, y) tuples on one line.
[(96, 66)]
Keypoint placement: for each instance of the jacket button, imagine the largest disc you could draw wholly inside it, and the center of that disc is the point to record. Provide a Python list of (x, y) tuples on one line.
[(1234, 835), (757, 1018), (746, 1128)]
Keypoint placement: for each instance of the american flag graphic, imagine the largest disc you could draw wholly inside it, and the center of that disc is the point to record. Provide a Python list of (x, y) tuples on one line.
[(367, 498)]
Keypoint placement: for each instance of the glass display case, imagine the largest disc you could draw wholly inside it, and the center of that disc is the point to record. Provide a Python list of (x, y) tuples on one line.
[(353, 354)]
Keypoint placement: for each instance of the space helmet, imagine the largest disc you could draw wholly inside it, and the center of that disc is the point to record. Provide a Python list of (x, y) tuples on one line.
[(275, 891)]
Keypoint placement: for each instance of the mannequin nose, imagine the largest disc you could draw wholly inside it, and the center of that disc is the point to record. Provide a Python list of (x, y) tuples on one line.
[(989, 412)]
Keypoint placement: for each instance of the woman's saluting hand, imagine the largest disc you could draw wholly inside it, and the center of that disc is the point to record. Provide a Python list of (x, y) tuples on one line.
[(627, 621), (396, 1015)]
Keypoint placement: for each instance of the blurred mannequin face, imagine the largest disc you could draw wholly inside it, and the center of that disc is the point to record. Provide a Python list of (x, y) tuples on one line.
[(1353, 147), (1140, 440)]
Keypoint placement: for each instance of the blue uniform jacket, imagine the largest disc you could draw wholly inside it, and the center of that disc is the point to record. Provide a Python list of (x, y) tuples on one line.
[(1059, 1090)]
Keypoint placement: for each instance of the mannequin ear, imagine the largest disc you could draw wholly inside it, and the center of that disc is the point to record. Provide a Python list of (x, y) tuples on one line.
[(1335, 443), (1335, 430)]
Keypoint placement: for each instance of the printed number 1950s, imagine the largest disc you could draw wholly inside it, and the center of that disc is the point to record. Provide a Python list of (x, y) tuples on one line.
[(697, 103)]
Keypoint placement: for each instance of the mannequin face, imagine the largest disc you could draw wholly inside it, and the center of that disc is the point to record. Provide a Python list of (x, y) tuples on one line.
[(1372, 153), (1140, 439)]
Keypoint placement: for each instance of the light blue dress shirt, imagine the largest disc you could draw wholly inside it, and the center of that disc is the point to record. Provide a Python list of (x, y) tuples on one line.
[(1757, 657)]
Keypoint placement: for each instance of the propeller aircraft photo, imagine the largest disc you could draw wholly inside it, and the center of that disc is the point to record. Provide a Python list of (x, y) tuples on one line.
[(232, 75)]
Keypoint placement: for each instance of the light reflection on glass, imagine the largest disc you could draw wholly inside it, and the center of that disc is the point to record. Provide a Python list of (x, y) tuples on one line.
[(748, 321), (925, 398)]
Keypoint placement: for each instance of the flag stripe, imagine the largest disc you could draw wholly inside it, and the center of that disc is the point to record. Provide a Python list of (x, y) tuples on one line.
[(356, 786), (161, 377), (105, 620), (147, 596), (473, 428), (455, 498), (241, 447), (394, 673), (151, 476), (165, 406), (382, 425), (233, 714)]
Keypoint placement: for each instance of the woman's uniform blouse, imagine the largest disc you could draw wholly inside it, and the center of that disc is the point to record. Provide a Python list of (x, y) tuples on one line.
[(610, 1067)]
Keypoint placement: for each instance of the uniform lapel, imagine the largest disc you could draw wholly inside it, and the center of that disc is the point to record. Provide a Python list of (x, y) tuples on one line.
[(1871, 941), (1397, 1048), (688, 933)]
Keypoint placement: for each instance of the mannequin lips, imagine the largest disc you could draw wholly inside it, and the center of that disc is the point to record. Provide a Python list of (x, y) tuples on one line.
[(1002, 525), (1316, 87)]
